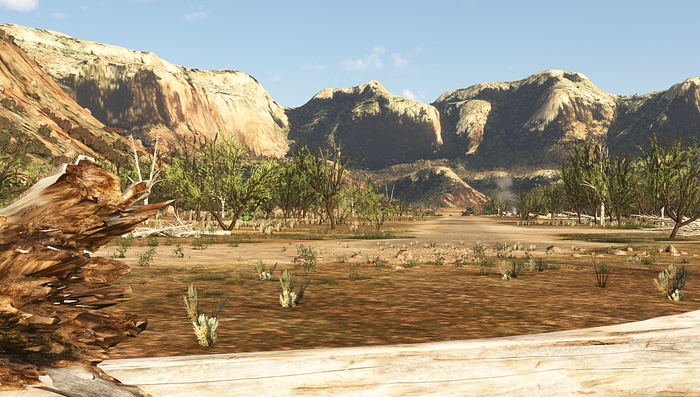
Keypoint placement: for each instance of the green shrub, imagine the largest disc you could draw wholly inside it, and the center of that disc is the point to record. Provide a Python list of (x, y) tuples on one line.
[(178, 251), (146, 258), (198, 244), (307, 258)]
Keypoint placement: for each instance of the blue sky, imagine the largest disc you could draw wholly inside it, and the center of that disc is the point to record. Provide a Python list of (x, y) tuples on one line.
[(417, 49)]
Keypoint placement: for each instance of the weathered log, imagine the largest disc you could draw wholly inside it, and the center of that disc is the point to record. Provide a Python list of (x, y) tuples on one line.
[(52, 285)]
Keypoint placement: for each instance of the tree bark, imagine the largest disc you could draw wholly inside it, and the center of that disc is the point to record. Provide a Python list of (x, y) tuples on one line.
[(52, 285)]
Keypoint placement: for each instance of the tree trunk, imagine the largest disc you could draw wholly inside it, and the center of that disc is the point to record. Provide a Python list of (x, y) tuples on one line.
[(53, 286)]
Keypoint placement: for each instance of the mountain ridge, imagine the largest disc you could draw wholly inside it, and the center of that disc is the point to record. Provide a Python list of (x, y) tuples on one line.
[(523, 123)]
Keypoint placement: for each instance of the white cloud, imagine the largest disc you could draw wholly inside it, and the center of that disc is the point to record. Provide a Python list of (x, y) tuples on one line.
[(20, 5), (314, 66), (196, 16), (409, 94), (275, 77), (59, 15), (371, 60), (402, 62)]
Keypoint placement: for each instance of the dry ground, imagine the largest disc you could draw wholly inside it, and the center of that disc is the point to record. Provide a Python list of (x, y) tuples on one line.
[(355, 303)]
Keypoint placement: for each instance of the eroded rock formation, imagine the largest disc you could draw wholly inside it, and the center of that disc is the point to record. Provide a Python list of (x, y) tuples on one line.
[(52, 286), (147, 96)]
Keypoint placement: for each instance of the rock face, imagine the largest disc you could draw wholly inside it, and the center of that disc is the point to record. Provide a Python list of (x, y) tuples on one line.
[(437, 186), (524, 122), (374, 126), (38, 115), (674, 112), (147, 96)]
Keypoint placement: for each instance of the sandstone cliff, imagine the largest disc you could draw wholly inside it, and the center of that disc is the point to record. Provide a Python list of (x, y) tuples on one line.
[(374, 126), (147, 96), (524, 122), (39, 116)]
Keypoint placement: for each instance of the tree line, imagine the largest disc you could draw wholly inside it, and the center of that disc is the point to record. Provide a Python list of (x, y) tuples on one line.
[(663, 180)]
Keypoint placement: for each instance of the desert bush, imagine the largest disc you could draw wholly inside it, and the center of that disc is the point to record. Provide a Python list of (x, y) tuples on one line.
[(341, 258), (204, 328), (289, 298), (671, 283), (262, 272)]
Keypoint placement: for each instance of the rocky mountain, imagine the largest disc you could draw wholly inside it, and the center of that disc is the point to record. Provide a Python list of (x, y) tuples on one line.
[(37, 115), (674, 112), (374, 126), (520, 125), (148, 97), (525, 124)]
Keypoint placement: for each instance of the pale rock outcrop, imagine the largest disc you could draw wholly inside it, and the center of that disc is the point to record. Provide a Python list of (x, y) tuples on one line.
[(144, 94)]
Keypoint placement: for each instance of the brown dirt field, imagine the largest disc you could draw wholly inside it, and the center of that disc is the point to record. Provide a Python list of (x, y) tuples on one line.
[(358, 304)]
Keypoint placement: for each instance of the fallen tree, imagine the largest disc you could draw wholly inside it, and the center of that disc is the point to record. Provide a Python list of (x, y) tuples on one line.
[(52, 286)]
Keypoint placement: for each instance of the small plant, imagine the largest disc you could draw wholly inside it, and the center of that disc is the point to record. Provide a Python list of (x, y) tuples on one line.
[(341, 258), (532, 247), (204, 328), (650, 258), (439, 260), (671, 283), (198, 244), (307, 256), (505, 271), (123, 245), (234, 243), (146, 258), (152, 242), (289, 298), (346, 245), (262, 272), (539, 265), (410, 263), (517, 246), (169, 241), (178, 251), (602, 272), (284, 249), (555, 266), (502, 250)]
